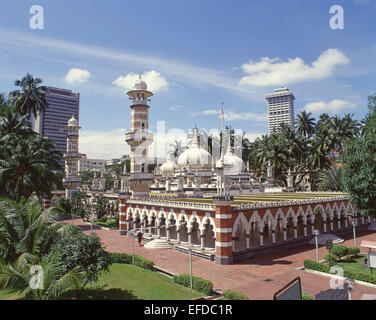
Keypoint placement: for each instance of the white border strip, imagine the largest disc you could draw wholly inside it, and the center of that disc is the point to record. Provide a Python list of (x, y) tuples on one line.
[(223, 216)]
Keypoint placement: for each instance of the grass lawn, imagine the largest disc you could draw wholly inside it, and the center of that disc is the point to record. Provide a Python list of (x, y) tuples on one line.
[(128, 282), (357, 265)]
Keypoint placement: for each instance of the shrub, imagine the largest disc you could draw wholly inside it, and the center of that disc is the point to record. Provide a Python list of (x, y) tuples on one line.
[(339, 251), (306, 296), (199, 284), (127, 259), (234, 295), (353, 251), (331, 259), (361, 276), (313, 265), (111, 223)]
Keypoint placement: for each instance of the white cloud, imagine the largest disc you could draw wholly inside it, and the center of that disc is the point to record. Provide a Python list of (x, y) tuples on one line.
[(103, 144), (176, 107), (333, 106), (180, 71), (232, 115), (75, 76), (273, 72), (154, 81)]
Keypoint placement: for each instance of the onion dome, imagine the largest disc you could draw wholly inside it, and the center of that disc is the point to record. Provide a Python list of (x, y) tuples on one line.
[(73, 122), (195, 157)]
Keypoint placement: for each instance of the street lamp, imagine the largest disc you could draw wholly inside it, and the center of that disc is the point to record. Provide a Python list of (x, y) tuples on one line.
[(190, 266), (354, 223), (316, 234), (132, 234), (91, 220)]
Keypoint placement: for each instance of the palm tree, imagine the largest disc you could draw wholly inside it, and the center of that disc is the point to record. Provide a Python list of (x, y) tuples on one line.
[(27, 166), (305, 124), (27, 228), (176, 148), (18, 277), (31, 98), (12, 123), (330, 179)]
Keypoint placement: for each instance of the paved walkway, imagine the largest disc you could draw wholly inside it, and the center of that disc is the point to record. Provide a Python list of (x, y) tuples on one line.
[(259, 277)]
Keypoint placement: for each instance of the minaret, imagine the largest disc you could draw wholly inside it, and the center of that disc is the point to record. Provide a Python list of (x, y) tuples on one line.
[(139, 138), (72, 181)]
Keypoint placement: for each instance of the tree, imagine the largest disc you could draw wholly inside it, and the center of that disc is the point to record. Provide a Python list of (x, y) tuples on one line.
[(27, 228), (17, 277), (83, 253), (305, 124), (330, 179), (101, 206), (28, 165), (31, 98), (11, 122), (359, 165)]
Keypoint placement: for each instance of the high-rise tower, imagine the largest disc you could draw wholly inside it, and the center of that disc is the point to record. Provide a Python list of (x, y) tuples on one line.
[(72, 181), (280, 108), (139, 138)]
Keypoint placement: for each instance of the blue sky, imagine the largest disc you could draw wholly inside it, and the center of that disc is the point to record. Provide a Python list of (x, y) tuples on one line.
[(196, 54)]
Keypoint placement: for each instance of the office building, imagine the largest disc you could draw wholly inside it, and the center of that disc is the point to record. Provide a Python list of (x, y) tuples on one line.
[(62, 105), (280, 108)]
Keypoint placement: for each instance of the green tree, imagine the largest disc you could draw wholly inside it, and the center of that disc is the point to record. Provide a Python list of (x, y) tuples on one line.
[(330, 179), (27, 228), (28, 165), (84, 253), (359, 165), (31, 98)]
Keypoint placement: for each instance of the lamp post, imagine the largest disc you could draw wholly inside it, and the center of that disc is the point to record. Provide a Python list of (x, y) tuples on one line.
[(91, 223), (190, 266), (132, 234), (354, 223), (316, 234)]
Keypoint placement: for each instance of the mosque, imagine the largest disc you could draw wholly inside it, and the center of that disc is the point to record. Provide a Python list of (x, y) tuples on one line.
[(211, 207)]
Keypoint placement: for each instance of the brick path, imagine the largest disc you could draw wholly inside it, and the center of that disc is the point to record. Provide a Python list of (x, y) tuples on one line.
[(258, 277)]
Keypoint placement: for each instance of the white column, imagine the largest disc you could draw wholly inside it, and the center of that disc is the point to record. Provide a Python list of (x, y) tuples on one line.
[(339, 223), (331, 224), (168, 232), (261, 238), (177, 235), (305, 229), (202, 238), (324, 225), (312, 227), (346, 223), (284, 233), (369, 219), (247, 240), (363, 219), (295, 231), (273, 235)]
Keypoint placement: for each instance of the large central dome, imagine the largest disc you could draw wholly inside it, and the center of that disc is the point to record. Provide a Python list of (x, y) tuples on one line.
[(195, 157)]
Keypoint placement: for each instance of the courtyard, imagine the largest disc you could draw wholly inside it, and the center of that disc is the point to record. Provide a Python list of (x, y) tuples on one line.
[(258, 277)]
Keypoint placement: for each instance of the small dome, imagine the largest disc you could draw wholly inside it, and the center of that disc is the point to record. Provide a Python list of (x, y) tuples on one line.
[(219, 164), (196, 158), (140, 85), (234, 163), (72, 122), (167, 168)]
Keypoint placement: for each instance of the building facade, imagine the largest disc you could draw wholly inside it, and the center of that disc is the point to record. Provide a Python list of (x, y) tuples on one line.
[(280, 108), (86, 164), (52, 123)]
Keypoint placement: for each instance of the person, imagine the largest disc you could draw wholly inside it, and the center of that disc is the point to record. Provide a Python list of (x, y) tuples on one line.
[(139, 237)]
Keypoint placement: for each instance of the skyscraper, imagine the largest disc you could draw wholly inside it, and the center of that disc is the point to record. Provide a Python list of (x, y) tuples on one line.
[(280, 108), (62, 105)]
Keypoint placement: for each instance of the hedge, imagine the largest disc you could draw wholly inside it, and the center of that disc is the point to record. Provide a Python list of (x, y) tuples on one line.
[(339, 251), (371, 278), (309, 264), (127, 259), (234, 295), (199, 284)]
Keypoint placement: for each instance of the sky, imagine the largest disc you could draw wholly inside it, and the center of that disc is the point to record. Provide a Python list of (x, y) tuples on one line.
[(193, 55)]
